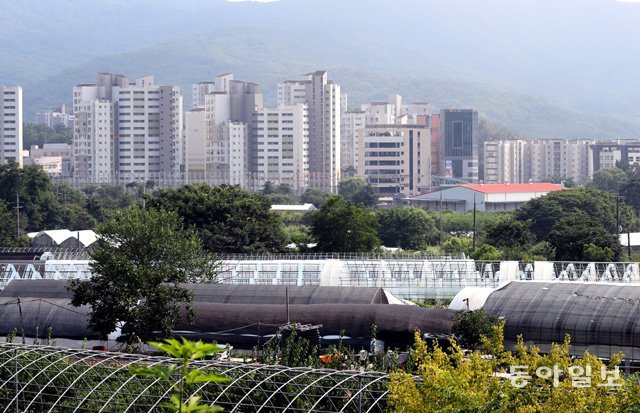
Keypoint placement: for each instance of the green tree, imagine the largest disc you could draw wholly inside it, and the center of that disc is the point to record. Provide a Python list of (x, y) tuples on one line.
[(298, 235), (103, 200), (608, 179), (8, 229), (457, 245), (341, 226), (314, 196), (630, 189), (142, 257), (39, 207), (576, 235), (545, 211), (470, 326), (487, 252), (228, 218), (509, 233), (407, 227), (358, 191), (40, 134)]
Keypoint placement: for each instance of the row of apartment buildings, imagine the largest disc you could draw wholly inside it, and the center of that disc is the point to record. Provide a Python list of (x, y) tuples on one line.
[(137, 130), (538, 160)]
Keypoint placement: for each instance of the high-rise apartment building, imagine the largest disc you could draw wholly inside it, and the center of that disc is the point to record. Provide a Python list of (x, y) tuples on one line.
[(323, 100), (558, 159), (396, 159), (128, 131), (505, 161), (11, 124), (352, 121), (459, 143), (537, 160), (57, 116), (199, 91), (280, 153)]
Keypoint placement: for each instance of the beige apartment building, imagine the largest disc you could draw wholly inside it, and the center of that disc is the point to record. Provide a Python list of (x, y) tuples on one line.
[(396, 159), (537, 160)]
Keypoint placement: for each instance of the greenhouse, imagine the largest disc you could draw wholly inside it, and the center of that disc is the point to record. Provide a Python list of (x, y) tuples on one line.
[(242, 316), (599, 317), (38, 378)]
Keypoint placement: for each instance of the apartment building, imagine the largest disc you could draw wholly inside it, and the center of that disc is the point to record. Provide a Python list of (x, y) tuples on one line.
[(396, 159), (607, 154), (351, 122), (537, 160), (558, 159), (55, 117), (281, 151), (199, 91), (55, 158), (323, 100), (128, 131), (504, 161), (11, 124)]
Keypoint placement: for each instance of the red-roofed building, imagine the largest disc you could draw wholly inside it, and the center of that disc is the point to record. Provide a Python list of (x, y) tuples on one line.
[(487, 197)]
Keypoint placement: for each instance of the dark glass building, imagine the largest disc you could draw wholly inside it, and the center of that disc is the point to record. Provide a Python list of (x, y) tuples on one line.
[(459, 143)]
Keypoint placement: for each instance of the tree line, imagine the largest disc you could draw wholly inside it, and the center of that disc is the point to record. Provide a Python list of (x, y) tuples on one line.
[(574, 224)]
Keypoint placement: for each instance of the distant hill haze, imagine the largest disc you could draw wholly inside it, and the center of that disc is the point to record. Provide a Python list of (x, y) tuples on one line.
[(540, 68)]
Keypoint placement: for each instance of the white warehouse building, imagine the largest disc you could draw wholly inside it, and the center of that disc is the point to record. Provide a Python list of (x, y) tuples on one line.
[(486, 197)]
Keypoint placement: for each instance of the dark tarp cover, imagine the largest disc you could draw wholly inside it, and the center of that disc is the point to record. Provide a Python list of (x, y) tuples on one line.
[(225, 293), (39, 314), (394, 323), (602, 317)]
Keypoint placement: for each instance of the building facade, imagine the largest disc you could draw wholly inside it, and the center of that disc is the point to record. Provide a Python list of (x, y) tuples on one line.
[(128, 131), (395, 159), (55, 117), (323, 99), (483, 197), (352, 121), (55, 158), (11, 124), (459, 143), (280, 153), (537, 160), (504, 161), (607, 154)]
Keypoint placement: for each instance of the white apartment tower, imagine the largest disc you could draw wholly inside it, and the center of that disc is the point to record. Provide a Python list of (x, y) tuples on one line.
[(280, 153), (11, 124), (504, 161), (128, 131), (323, 99), (537, 160), (352, 121), (198, 93)]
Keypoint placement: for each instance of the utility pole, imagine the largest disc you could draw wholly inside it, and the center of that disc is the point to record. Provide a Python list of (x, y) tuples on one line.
[(18, 216), (473, 245), (441, 222)]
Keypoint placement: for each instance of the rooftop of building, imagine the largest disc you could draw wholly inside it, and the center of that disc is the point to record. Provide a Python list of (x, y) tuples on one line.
[(514, 188)]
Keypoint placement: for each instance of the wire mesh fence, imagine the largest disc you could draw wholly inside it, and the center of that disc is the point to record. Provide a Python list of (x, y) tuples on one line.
[(40, 378)]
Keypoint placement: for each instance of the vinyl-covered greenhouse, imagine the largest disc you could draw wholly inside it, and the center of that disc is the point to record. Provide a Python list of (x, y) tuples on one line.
[(50, 379)]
